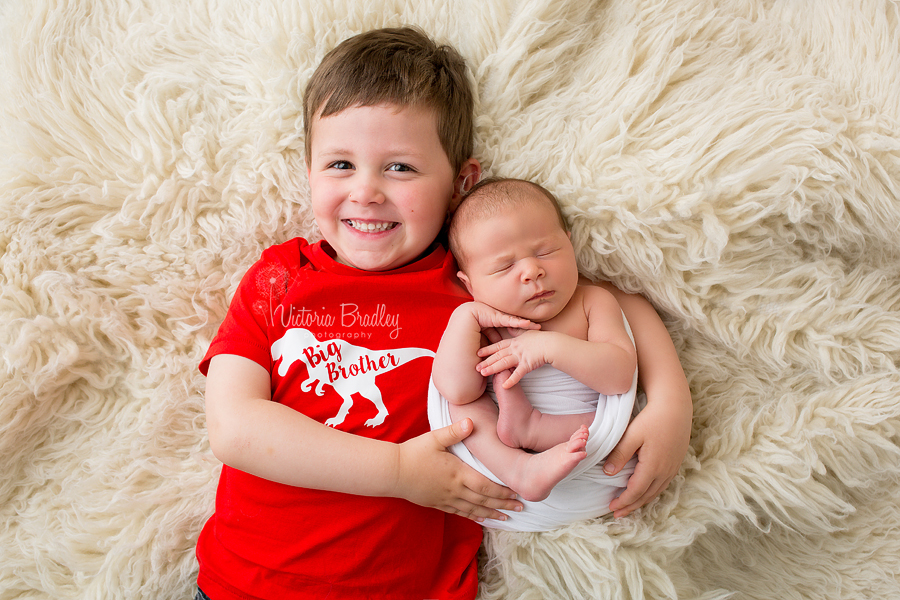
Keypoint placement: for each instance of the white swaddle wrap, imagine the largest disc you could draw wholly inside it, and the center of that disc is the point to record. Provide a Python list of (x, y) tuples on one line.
[(587, 491)]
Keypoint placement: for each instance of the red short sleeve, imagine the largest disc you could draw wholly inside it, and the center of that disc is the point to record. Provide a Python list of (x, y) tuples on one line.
[(244, 330)]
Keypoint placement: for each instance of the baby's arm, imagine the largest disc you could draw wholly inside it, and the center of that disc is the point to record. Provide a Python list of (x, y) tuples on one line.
[(249, 432), (605, 361), (661, 432), (453, 372)]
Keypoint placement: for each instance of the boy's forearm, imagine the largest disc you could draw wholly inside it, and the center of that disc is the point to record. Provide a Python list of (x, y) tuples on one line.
[(274, 442), (248, 431), (279, 444)]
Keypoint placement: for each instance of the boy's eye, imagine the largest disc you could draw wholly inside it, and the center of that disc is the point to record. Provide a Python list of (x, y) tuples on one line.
[(340, 165), (400, 167)]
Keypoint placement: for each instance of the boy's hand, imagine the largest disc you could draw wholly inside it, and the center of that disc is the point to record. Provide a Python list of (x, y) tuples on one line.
[(429, 475), (659, 436), (521, 354)]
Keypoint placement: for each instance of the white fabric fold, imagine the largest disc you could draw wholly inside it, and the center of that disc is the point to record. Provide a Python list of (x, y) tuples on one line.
[(587, 491)]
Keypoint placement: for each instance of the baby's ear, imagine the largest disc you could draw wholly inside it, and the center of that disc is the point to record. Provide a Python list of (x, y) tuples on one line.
[(465, 281)]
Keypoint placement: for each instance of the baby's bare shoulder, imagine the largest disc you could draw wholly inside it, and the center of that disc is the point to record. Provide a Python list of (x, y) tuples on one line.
[(594, 297)]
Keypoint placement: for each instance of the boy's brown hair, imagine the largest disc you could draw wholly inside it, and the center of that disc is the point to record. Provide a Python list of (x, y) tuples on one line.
[(486, 199), (400, 66)]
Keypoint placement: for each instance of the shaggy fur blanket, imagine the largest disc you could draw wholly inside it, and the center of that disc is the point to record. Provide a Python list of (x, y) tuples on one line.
[(737, 162)]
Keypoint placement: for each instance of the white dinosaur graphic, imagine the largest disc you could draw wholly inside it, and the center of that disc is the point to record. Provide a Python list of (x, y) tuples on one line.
[(347, 368)]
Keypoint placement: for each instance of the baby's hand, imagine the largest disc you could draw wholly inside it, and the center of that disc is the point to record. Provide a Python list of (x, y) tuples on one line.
[(489, 318), (521, 354), (429, 475)]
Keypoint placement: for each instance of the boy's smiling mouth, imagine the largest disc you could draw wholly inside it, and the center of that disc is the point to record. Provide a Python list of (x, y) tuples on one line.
[(370, 226)]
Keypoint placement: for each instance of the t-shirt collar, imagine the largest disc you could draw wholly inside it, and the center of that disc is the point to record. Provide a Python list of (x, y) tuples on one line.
[(321, 255)]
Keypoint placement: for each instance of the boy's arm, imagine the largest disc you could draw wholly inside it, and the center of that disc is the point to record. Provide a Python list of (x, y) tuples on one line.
[(661, 432), (453, 372), (251, 433)]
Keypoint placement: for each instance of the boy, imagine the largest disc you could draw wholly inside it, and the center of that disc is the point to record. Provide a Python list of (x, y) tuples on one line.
[(329, 492), (513, 249)]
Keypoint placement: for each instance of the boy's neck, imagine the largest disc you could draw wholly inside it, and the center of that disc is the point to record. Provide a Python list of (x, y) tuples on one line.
[(326, 247)]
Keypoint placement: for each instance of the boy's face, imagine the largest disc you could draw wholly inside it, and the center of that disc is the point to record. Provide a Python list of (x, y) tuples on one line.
[(521, 261), (381, 183)]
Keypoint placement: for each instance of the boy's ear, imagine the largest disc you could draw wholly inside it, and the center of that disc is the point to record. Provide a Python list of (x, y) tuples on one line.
[(468, 176), (465, 282)]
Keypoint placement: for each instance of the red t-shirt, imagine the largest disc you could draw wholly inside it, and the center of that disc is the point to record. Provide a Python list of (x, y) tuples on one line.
[(352, 349)]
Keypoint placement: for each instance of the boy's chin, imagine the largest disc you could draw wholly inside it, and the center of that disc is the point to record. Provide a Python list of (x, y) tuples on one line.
[(375, 262)]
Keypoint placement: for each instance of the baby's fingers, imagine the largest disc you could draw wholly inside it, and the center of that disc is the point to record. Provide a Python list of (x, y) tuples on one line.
[(492, 348), (489, 317), (520, 323), (491, 334), (514, 377), (496, 364)]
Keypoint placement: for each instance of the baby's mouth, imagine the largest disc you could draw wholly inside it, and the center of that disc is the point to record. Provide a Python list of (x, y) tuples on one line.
[(370, 226)]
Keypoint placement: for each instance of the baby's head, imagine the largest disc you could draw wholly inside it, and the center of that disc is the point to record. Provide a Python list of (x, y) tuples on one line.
[(510, 240), (388, 117)]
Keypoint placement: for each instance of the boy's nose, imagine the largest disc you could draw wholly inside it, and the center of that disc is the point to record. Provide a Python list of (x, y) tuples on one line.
[(366, 192)]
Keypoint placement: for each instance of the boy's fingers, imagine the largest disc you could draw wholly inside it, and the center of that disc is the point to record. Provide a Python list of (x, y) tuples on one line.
[(489, 495), (479, 512), (635, 490), (453, 433), (481, 490), (642, 488), (621, 454), (621, 509), (489, 505), (478, 515)]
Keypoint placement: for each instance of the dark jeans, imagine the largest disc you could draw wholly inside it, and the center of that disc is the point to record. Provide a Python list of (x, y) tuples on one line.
[(200, 595)]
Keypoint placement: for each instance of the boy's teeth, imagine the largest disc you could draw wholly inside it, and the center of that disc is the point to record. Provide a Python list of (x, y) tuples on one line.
[(370, 227)]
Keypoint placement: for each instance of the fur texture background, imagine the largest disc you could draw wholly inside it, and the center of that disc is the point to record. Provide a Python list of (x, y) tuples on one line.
[(736, 161)]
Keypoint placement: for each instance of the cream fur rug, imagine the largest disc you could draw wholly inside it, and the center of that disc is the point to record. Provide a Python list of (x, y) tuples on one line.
[(738, 162)]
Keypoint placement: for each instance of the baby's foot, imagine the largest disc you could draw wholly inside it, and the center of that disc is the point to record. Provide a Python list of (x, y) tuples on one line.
[(515, 413), (539, 473)]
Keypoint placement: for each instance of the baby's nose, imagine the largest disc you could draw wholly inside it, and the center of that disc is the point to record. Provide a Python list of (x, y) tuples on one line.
[(531, 269)]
